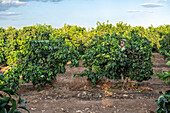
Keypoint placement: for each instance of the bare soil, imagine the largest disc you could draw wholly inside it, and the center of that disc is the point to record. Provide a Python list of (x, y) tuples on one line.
[(70, 94)]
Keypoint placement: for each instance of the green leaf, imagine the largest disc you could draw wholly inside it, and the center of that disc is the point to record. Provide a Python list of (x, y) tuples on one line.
[(14, 106), (159, 110), (6, 89), (21, 101), (156, 103), (4, 99), (23, 107), (168, 63), (3, 104), (16, 111)]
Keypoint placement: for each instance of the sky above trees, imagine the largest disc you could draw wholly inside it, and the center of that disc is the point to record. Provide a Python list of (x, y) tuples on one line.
[(85, 13)]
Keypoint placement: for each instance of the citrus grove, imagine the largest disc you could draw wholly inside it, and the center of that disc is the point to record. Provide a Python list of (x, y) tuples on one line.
[(38, 53)]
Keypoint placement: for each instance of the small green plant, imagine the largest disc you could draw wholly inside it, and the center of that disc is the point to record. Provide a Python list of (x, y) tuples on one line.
[(163, 102), (166, 75), (7, 102)]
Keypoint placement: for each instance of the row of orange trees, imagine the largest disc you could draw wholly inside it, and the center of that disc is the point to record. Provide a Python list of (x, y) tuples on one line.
[(12, 40), (41, 47)]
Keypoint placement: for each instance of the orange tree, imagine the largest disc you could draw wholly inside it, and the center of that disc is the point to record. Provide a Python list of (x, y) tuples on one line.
[(41, 61), (105, 57)]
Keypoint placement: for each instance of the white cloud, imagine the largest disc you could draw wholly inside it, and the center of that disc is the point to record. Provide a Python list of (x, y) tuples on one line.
[(41, 0), (148, 11), (6, 4), (10, 2), (134, 11), (151, 5), (163, 0), (138, 11), (10, 14)]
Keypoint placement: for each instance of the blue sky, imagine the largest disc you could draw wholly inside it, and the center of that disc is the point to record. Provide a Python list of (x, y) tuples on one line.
[(85, 13)]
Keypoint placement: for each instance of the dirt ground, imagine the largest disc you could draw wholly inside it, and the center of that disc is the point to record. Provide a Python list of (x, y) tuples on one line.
[(70, 94)]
